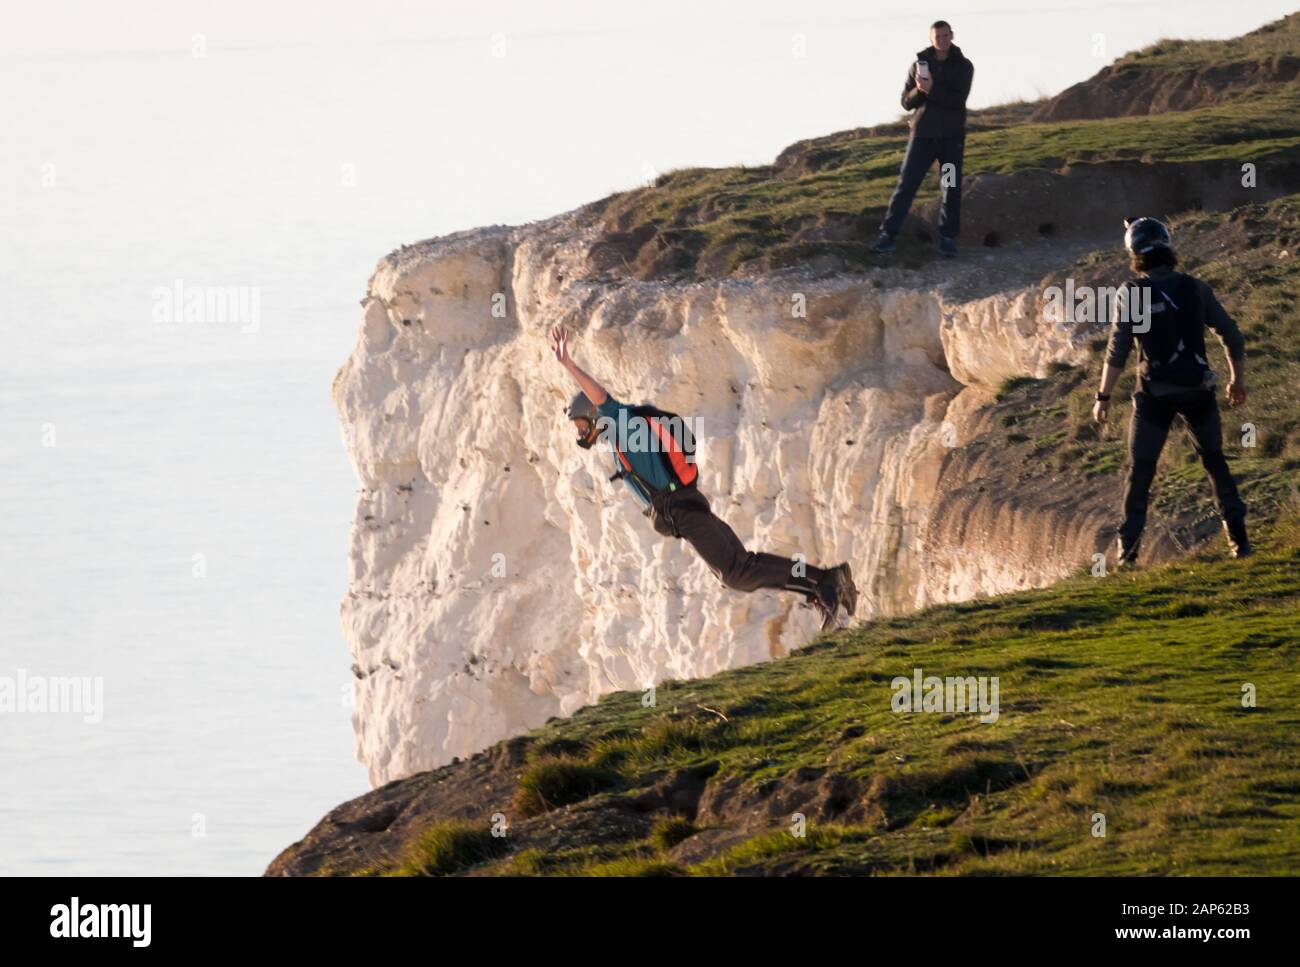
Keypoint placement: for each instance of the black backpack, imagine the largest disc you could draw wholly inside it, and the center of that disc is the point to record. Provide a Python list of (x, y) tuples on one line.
[(1173, 348)]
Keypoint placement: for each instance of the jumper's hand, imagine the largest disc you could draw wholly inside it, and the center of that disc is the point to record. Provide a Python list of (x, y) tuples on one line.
[(560, 343), (1100, 410), (923, 84), (1236, 392)]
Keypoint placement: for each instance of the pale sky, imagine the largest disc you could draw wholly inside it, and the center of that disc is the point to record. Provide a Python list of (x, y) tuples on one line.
[(520, 109)]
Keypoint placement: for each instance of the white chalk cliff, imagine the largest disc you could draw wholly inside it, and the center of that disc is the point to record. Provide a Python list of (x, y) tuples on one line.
[(498, 578)]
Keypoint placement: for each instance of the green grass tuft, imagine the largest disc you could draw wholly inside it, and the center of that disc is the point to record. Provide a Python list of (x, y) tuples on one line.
[(447, 848), (668, 831), (552, 782)]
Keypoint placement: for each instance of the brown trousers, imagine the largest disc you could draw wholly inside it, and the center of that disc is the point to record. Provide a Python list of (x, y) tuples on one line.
[(685, 513)]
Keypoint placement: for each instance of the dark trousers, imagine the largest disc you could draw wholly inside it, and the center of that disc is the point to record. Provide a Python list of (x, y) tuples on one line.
[(921, 153), (1148, 430), (723, 552)]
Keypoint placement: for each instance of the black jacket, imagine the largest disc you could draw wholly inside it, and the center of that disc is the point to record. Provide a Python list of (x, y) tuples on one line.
[(1182, 308), (942, 112)]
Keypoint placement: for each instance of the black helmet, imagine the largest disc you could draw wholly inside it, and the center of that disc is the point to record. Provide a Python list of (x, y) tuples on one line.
[(1141, 235), (581, 408)]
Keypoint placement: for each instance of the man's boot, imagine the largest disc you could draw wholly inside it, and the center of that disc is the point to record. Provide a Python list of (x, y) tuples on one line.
[(835, 590), (1238, 542), (826, 599), (847, 589), (1126, 555)]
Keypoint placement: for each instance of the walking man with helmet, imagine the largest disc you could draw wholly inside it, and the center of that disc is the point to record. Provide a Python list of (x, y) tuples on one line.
[(1167, 313)]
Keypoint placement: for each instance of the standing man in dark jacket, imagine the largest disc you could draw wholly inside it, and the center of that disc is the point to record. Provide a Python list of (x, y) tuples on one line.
[(1166, 313), (936, 89)]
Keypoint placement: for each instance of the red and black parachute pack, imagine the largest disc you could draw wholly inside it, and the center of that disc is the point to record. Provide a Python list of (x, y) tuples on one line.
[(675, 447)]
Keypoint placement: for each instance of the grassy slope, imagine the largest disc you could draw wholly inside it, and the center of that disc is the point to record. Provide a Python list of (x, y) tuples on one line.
[(748, 211), (1119, 695), (729, 217), (1278, 39)]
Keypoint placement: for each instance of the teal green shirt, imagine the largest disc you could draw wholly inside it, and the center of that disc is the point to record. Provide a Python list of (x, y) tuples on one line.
[(644, 459)]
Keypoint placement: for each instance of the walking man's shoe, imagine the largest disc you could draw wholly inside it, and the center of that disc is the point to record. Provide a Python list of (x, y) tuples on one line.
[(947, 248), (1238, 542), (884, 244), (1126, 557)]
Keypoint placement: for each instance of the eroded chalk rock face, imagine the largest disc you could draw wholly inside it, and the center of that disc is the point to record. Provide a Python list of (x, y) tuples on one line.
[(498, 578)]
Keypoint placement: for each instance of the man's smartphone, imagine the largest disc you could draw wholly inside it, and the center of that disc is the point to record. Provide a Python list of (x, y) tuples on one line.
[(922, 70)]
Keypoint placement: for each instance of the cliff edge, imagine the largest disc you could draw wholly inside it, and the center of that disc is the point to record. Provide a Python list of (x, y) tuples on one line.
[(924, 420)]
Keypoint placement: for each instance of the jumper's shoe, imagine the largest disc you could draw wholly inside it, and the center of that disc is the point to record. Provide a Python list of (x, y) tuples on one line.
[(947, 248), (836, 590), (847, 589), (827, 603), (1126, 557), (884, 244), (1238, 542), (812, 599)]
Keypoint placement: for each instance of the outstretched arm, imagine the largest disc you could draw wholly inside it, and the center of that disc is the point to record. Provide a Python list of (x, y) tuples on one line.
[(560, 346), (1234, 346)]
